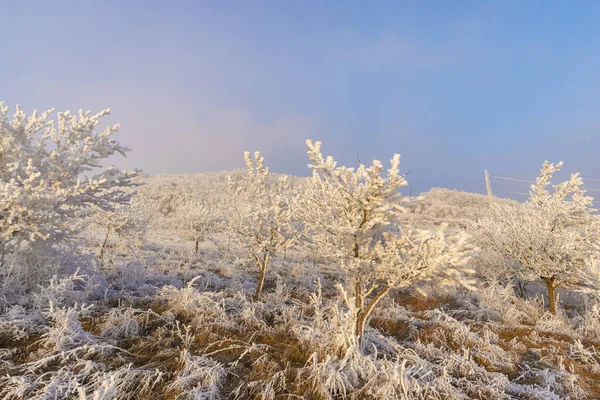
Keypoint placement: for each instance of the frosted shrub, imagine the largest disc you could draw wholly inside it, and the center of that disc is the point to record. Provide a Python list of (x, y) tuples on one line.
[(42, 194), (551, 237), (262, 217), (128, 222), (198, 221), (353, 216)]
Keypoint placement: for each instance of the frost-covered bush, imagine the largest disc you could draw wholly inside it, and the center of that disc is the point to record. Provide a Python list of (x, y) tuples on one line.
[(128, 222), (198, 221), (552, 237), (354, 216), (43, 194), (262, 217)]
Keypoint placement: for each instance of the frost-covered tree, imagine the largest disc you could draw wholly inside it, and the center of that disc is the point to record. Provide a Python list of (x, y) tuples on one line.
[(43, 191), (550, 237), (353, 216), (128, 222), (261, 217), (197, 221)]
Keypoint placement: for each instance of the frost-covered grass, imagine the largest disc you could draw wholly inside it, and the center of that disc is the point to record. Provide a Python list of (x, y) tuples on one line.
[(204, 338)]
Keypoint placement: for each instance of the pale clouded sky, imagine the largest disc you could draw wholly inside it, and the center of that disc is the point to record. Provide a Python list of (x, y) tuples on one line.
[(454, 87)]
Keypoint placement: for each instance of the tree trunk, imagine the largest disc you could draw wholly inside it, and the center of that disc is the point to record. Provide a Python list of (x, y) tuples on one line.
[(358, 300), (358, 304), (359, 328), (262, 266), (551, 285), (196, 247), (104, 244), (363, 314)]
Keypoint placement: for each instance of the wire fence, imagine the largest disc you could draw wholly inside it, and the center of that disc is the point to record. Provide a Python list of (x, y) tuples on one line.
[(505, 181)]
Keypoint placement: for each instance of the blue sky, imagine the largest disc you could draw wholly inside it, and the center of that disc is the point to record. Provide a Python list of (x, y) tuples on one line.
[(454, 87)]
